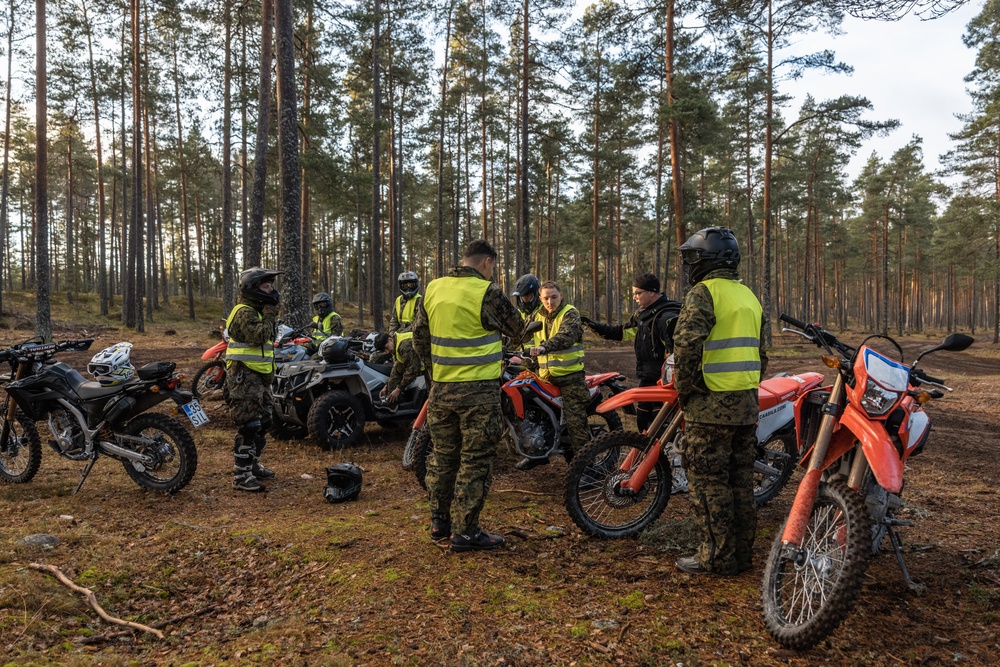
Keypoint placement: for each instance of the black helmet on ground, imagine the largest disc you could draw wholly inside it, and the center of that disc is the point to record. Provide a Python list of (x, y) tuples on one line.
[(409, 283), (709, 249), (343, 482), (527, 286), (322, 304), (250, 282)]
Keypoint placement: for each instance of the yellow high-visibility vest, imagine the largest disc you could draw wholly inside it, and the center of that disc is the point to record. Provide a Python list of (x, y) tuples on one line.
[(258, 359), (559, 362), (406, 312), (731, 357), (461, 349)]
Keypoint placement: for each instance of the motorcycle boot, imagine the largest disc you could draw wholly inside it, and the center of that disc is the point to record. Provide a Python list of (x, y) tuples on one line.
[(440, 526), (478, 540), (244, 456), (259, 471)]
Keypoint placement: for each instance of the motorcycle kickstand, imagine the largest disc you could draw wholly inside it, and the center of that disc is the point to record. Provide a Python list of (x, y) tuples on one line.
[(86, 471), (914, 586)]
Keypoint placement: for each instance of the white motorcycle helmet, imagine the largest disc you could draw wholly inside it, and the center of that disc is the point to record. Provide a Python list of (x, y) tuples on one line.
[(112, 365)]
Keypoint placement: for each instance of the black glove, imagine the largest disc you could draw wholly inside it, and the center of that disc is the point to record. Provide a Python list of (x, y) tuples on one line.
[(587, 321)]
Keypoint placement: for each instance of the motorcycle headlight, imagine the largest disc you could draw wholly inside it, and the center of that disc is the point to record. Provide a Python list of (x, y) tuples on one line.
[(877, 400)]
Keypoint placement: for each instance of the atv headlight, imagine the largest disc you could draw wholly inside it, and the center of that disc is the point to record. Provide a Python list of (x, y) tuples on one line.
[(878, 400)]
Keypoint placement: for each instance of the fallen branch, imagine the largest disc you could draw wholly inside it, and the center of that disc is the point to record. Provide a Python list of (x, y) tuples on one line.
[(97, 639), (92, 599), (530, 493)]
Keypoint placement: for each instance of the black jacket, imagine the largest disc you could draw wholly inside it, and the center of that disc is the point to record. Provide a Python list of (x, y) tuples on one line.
[(652, 329)]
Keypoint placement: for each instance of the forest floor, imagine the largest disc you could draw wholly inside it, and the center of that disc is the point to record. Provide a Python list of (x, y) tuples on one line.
[(286, 577)]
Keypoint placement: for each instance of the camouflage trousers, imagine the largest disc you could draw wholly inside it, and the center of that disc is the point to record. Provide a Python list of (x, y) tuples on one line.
[(465, 424), (719, 465), (250, 409), (575, 398)]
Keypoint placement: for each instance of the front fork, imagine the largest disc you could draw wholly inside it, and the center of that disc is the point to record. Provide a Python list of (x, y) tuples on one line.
[(11, 405), (636, 481)]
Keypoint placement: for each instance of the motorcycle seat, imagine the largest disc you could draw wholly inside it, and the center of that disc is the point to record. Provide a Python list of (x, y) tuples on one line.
[(778, 389), (90, 390)]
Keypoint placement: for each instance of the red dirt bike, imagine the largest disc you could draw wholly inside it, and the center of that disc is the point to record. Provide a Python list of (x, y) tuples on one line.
[(210, 380), (622, 481), (861, 431), (532, 413)]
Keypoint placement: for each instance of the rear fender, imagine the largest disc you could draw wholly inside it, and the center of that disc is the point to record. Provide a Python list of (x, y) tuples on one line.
[(653, 394)]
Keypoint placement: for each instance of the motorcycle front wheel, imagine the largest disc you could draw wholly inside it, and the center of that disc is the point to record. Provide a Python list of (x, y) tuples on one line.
[(21, 454), (774, 464), (210, 381), (808, 591), (594, 496), (170, 447)]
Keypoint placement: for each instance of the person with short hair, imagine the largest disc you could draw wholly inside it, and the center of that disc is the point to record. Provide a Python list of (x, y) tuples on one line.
[(384, 349), (457, 334)]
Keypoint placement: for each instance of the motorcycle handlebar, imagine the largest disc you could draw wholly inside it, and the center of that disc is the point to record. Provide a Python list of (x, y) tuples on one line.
[(920, 376), (791, 320)]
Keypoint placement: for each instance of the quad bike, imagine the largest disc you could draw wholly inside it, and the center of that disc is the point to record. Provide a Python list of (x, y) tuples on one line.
[(621, 482), (88, 419), (331, 398), (860, 434)]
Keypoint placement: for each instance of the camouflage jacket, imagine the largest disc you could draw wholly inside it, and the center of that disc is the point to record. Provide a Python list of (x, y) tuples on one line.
[(497, 314), (406, 369), (694, 324), (248, 328)]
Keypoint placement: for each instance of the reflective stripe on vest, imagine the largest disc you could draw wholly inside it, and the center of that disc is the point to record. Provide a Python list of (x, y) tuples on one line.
[(731, 357), (461, 349), (406, 313), (259, 359), (324, 324), (560, 362)]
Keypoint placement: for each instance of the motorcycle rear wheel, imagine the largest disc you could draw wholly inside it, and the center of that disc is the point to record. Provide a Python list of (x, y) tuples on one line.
[(21, 455), (807, 592), (410, 450), (209, 382), (593, 495), (780, 453), (172, 447), (421, 452)]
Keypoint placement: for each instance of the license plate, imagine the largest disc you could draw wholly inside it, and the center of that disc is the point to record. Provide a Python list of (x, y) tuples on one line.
[(195, 413)]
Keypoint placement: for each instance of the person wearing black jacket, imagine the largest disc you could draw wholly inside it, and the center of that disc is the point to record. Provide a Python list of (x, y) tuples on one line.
[(651, 327)]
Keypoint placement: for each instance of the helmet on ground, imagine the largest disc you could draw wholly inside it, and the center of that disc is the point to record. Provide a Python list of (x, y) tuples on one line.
[(323, 304), (527, 285), (250, 282), (343, 482), (112, 365), (709, 249), (409, 283), (335, 350)]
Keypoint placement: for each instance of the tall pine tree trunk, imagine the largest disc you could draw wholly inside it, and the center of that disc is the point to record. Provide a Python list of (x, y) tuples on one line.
[(228, 254), (255, 227), (43, 322)]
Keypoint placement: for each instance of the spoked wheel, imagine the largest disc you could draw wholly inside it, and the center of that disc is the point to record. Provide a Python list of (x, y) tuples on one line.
[(595, 496), (336, 420), (775, 462), (808, 591), (598, 424), (170, 448), (409, 451), (210, 381), (21, 454)]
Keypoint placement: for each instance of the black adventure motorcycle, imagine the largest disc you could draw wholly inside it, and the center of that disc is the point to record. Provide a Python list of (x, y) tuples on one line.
[(88, 419)]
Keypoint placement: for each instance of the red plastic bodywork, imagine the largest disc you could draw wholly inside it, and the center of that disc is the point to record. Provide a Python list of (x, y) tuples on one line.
[(781, 389), (214, 351), (654, 394)]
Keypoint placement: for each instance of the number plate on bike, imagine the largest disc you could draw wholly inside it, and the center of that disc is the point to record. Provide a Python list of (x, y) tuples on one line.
[(195, 413)]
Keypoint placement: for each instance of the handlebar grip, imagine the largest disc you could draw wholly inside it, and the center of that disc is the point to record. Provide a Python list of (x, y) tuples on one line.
[(920, 375), (791, 320)]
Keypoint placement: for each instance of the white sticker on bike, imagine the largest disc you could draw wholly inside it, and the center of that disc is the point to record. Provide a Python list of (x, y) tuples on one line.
[(195, 413)]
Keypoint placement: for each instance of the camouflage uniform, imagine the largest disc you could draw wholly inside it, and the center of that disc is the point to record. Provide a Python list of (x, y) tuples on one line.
[(406, 369), (464, 419), (330, 324), (719, 441), (250, 392), (575, 395), (381, 357), (395, 323)]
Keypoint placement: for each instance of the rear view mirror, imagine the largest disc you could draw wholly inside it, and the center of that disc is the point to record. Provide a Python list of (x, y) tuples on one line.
[(956, 342)]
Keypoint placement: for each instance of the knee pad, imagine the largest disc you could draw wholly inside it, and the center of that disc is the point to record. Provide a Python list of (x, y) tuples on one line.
[(251, 429)]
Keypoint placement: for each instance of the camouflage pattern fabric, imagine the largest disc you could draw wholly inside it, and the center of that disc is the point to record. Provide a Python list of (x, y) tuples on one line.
[(465, 424), (248, 328), (406, 370), (249, 400), (575, 397), (694, 324), (381, 358), (395, 326), (719, 466)]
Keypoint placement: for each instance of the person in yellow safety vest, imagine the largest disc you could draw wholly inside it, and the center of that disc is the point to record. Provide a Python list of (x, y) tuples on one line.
[(456, 334), (526, 292), (406, 368), (719, 360), (326, 322), (557, 350), (405, 308), (249, 367)]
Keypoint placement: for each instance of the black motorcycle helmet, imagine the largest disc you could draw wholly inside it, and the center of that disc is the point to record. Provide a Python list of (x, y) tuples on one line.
[(250, 281), (322, 304), (343, 482), (709, 249), (409, 283), (526, 285), (335, 350)]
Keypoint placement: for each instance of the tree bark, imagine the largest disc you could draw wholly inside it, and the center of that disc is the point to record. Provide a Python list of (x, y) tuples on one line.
[(43, 322), (255, 227)]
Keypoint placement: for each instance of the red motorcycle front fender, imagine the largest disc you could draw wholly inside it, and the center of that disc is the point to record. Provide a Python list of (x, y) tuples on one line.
[(878, 448), (216, 349), (653, 394)]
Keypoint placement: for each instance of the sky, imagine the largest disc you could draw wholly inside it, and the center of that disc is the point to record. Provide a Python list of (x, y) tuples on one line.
[(910, 70)]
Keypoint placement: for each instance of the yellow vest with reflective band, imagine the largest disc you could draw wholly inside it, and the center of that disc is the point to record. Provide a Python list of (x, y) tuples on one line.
[(324, 325), (461, 349), (559, 362), (259, 359), (400, 337), (406, 313), (731, 357)]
